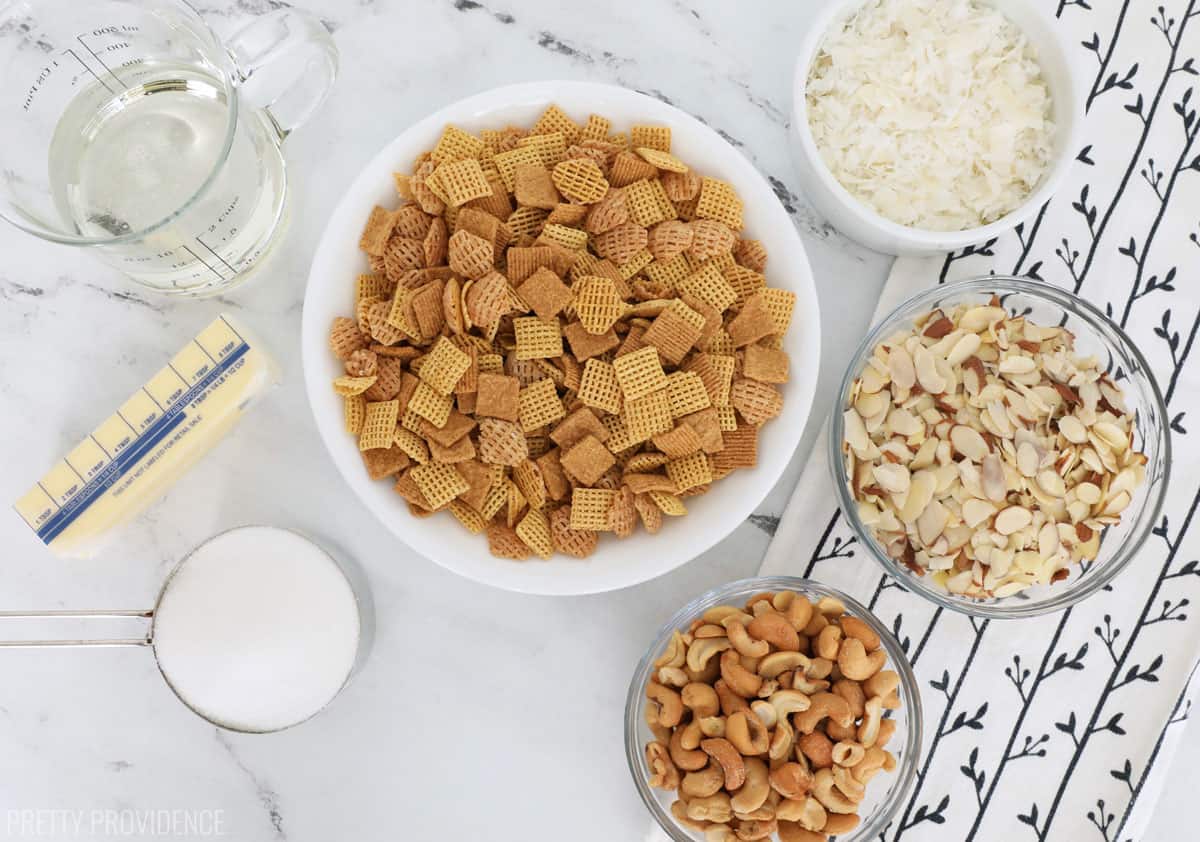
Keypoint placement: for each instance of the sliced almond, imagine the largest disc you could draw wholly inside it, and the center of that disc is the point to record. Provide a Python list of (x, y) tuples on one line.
[(1012, 519), (968, 442)]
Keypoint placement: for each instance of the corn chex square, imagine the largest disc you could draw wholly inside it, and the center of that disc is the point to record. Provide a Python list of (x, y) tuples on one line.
[(444, 366), (589, 508), (540, 405), (429, 404), (379, 422), (639, 373), (598, 387), (455, 144), (719, 201), (690, 471), (597, 304), (647, 416), (462, 181), (538, 339), (709, 285), (687, 393), (440, 483)]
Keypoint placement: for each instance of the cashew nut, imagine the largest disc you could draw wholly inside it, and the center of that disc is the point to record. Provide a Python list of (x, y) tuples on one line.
[(848, 753), (868, 731), (759, 603), (672, 676), (828, 641), (819, 668), (719, 833), (887, 729), (765, 711), (817, 748), (837, 733), (687, 759), (856, 628), (882, 683), (831, 606), (712, 726), (856, 663), (792, 832), (849, 786), (747, 733), (679, 811), (831, 797), (737, 678), (699, 653), (700, 699), (872, 761), (775, 664), (808, 685), (823, 705), (663, 775), (722, 751), (852, 692), (799, 612), (708, 630), (782, 600), (691, 735), (814, 815), (790, 809), (670, 706), (714, 808), (775, 629), (840, 823), (743, 643), (731, 702), (815, 623), (791, 780), (650, 714), (752, 830), (769, 686), (753, 792), (673, 655), (702, 783), (719, 613), (782, 740), (787, 702)]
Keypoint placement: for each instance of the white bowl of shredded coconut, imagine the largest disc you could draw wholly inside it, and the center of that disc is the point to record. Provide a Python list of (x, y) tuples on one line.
[(924, 126)]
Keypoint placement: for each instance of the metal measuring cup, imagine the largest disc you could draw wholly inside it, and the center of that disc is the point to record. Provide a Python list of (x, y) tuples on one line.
[(351, 572)]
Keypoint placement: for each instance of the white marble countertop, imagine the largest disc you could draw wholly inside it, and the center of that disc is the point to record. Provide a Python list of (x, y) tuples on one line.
[(481, 714)]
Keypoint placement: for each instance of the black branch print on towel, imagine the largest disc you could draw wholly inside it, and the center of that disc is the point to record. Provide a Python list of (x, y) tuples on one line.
[(1087, 702)]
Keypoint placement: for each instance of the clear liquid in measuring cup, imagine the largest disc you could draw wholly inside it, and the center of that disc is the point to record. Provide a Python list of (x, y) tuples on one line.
[(125, 157)]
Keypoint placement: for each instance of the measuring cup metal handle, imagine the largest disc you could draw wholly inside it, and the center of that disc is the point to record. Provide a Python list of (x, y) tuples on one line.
[(144, 640), (287, 62)]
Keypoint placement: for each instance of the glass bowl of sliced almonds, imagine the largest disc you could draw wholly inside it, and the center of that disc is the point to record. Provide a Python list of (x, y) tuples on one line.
[(1000, 446)]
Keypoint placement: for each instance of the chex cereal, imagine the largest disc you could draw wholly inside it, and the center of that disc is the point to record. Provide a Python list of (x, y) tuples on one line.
[(558, 331)]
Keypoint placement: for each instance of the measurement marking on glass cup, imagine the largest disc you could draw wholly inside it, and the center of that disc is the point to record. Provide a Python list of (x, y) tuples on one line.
[(79, 38), (99, 445), (201, 260), (84, 65), (214, 254)]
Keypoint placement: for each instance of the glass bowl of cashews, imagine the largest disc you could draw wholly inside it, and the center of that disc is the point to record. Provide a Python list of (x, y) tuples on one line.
[(1000, 446), (773, 708)]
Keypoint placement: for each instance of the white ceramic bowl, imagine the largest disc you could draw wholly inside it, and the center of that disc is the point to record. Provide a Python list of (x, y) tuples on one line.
[(860, 222), (616, 563)]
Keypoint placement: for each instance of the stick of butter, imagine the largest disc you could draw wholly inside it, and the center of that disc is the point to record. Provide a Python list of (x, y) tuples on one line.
[(131, 459)]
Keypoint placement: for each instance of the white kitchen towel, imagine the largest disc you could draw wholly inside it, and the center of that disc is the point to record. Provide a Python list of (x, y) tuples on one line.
[(1062, 727)]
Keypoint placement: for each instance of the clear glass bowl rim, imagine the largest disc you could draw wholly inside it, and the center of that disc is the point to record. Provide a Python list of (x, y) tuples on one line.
[(1102, 326), (904, 775)]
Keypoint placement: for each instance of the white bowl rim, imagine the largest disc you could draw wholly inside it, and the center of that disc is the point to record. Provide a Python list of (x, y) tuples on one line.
[(569, 576), (924, 238)]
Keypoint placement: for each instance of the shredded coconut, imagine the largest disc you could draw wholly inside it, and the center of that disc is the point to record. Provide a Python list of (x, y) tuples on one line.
[(932, 112)]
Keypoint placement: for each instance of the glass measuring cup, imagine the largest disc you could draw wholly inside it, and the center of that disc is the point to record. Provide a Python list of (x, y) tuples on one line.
[(128, 127), (256, 630)]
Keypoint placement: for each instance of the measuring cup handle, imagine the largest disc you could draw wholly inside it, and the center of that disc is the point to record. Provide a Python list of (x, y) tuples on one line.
[(286, 63), (55, 616)]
